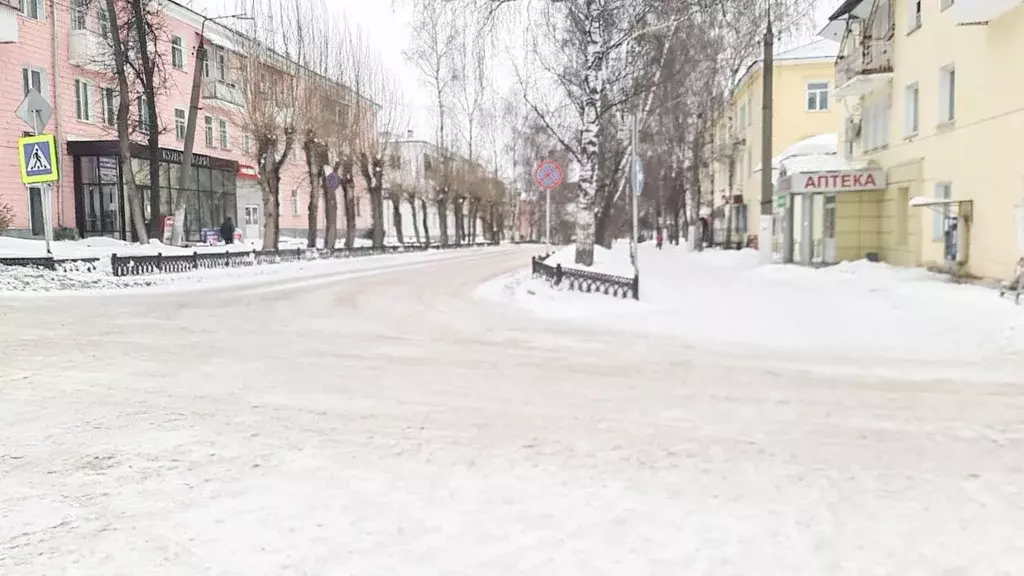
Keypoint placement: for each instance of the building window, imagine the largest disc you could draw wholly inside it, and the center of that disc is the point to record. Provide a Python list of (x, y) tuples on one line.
[(246, 143), (79, 10), (875, 124), (177, 53), (295, 202), (32, 79), (32, 9), (108, 100), (911, 113), (180, 119), (913, 15), (204, 53), (222, 128), (943, 191), (83, 109), (104, 19), (817, 96), (145, 125), (947, 94), (222, 66), (209, 131)]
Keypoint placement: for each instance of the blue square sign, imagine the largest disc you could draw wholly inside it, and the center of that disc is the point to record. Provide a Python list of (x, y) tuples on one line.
[(37, 156)]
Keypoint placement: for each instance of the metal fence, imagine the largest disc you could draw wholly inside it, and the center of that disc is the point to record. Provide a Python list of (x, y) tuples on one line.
[(585, 281), (50, 263), (163, 264)]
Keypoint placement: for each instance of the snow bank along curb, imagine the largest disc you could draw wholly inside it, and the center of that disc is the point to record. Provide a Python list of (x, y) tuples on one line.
[(582, 280), (136, 265), (49, 262)]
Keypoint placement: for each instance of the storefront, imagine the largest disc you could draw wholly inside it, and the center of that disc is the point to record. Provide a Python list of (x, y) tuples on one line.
[(101, 206), (250, 203), (825, 217)]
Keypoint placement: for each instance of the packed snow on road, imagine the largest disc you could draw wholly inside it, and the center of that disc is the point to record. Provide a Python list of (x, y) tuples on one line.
[(447, 415)]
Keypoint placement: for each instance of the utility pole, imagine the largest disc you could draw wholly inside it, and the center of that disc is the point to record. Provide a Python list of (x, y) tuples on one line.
[(185, 177), (764, 236)]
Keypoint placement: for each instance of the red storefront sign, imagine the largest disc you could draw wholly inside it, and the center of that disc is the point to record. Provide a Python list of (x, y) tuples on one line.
[(852, 181), (248, 172)]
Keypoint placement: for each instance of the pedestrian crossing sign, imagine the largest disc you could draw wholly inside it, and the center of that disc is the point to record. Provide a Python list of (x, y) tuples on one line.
[(38, 158)]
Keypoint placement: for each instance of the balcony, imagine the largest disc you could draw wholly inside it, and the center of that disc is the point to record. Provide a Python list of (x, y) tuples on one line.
[(9, 10), (974, 12), (89, 50), (864, 67), (214, 89)]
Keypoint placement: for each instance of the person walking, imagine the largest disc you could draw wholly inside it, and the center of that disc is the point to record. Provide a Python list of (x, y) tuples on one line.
[(659, 239), (227, 231)]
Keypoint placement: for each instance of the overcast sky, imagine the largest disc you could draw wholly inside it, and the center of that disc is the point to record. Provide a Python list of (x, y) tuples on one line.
[(385, 26)]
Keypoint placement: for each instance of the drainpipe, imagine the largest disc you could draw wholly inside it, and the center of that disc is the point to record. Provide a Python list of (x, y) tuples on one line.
[(59, 133)]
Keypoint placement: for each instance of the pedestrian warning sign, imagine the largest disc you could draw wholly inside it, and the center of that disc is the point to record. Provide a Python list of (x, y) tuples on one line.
[(38, 159)]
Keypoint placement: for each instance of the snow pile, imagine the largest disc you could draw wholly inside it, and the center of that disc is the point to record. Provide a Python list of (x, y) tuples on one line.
[(81, 277), (856, 310), (614, 262), (101, 247)]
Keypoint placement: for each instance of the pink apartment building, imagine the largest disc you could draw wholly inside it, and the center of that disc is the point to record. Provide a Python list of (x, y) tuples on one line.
[(52, 46)]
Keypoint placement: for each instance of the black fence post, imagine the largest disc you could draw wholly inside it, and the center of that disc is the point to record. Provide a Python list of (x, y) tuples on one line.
[(636, 287), (558, 274), (160, 261), (195, 260), (113, 264)]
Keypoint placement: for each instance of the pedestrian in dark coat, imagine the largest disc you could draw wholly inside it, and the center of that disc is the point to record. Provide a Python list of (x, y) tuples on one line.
[(227, 231)]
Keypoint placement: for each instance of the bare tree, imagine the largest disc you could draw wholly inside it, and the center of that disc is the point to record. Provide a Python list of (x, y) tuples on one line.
[(121, 71), (434, 50), (268, 79)]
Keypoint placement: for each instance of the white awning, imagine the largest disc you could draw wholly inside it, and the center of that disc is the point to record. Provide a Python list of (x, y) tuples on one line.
[(925, 202)]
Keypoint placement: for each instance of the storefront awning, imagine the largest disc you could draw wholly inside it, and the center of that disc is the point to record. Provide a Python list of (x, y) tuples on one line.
[(960, 207)]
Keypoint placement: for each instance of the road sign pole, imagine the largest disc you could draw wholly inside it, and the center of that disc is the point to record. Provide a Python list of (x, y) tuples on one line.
[(635, 240), (547, 219), (46, 191)]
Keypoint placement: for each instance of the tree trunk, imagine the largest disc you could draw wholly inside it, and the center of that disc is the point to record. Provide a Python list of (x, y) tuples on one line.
[(124, 130), (396, 215), (442, 217), (270, 182), (460, 223), (314, 171), (331, 207), (593, 90), (348, 184), (415, 224), (148, 69), (426, 224), (373, 173)]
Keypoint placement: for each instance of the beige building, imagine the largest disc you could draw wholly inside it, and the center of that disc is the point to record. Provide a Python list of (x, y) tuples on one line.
[(803, 108), (931, 95)]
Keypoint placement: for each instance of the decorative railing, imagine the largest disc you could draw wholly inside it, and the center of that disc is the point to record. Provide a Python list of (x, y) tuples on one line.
[(586, 281), (168, 264)]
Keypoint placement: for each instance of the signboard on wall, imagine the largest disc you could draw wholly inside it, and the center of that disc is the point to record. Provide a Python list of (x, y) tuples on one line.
[(844, 181)]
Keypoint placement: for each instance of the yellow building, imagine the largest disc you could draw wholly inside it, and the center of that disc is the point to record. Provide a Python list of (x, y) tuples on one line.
[(932, 94), (803, 107)]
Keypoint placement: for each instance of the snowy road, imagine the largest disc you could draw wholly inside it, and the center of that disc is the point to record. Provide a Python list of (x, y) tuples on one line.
[(388, 423)]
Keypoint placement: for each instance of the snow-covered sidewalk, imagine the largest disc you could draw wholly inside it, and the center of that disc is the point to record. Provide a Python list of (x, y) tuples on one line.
[(27, 281), (725, 300)]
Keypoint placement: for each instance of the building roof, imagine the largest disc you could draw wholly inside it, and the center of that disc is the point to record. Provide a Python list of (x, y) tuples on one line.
[(817, 50)]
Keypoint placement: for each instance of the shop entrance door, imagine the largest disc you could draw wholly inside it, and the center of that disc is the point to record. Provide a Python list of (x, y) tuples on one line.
[(829, 229), (252, 222)]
